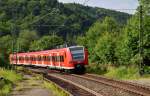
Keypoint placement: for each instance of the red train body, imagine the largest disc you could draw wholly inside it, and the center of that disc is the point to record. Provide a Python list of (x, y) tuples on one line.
[(70, 58)]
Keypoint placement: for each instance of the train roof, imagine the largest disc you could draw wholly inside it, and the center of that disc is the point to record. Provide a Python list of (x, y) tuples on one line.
[(47, 51)]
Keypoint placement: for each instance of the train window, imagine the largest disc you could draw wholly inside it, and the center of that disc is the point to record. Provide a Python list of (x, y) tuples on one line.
[(44, 58), (61, 58), (31, 58), (23, 58), (53, 58), (35, 58), (38, 58), (19, 58), (49, 58), (26, 58), (57, 58)]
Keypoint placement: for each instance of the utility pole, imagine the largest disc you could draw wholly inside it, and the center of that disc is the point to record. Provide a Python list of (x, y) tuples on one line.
[(13, 33), (141, 65)]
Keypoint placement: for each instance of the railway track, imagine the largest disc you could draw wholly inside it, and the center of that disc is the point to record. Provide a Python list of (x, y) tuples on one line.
[(94, 85), (127, 86), (72, 88)]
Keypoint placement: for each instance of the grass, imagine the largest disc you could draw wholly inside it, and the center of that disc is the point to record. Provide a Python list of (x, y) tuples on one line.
[(123, 73), (57, 91), (96, 69), (51, 86), (10, 78), (45, 84)]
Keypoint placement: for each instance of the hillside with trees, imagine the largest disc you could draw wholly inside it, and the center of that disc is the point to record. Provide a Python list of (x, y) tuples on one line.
[(111, 46), (29, 25), (112, 37)]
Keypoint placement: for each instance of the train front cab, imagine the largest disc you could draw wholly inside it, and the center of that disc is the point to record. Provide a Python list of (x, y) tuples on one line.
[(79, 58)]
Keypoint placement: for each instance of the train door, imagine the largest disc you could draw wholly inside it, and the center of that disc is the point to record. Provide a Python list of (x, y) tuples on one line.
[(54, 64), (45, 59), (20, 59), (61, 60), (49, 59), (26, 60), (39, 60), (57, 60)]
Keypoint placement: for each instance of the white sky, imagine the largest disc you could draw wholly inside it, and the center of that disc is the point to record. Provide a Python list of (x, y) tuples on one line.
[(122, 5)]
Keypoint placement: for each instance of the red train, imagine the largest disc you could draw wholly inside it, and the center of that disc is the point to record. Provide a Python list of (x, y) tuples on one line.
[(72, 58)]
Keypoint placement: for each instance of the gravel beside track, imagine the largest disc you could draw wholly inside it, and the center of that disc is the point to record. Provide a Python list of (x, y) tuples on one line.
[(74, 89), (100, 88), (143, 82), (139, 89), (95, 85)]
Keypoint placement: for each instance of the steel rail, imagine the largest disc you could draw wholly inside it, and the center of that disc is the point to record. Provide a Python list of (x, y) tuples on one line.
[(117, 84)]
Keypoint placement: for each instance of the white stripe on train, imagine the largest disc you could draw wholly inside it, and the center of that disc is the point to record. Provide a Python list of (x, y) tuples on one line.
[(43, 65)]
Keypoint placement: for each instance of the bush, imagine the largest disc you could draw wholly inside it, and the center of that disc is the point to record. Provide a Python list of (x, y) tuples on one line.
[(123, 72), (96, 68), (9, 78)]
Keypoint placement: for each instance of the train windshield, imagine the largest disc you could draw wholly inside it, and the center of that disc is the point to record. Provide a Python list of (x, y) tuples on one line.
[(77, 53)]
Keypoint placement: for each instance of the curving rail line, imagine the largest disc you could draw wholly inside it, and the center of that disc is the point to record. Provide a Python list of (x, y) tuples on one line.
[(134, 88), (88, 85)]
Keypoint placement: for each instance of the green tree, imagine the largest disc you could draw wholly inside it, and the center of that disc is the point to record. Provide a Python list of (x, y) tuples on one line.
[(5, 50), (128, 45), (24, 40), (108, 25), (127, 50), (105, 48), (46, 42), (146, 30), (106, 44)]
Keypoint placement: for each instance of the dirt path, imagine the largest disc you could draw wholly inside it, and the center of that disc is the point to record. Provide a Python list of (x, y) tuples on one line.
[(31, 86)]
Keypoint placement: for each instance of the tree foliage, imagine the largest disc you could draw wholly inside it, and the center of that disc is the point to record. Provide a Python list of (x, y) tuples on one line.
[(24, 40), (110, 43), (46, 42)]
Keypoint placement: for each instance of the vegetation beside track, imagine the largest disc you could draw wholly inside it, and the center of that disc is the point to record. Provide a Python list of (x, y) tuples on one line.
[(54, 88), (123, 73), (46, 84), (108, 41), (110, 44), (8, 79)]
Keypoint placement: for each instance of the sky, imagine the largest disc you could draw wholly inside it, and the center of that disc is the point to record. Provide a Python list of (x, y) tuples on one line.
[(120, 5)]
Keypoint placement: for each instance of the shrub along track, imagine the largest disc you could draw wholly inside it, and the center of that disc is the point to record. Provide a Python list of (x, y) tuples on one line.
[(94, 85)]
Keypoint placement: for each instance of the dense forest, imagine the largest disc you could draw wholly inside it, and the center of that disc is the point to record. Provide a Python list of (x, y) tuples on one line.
[(111, 37), (37, 25)]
